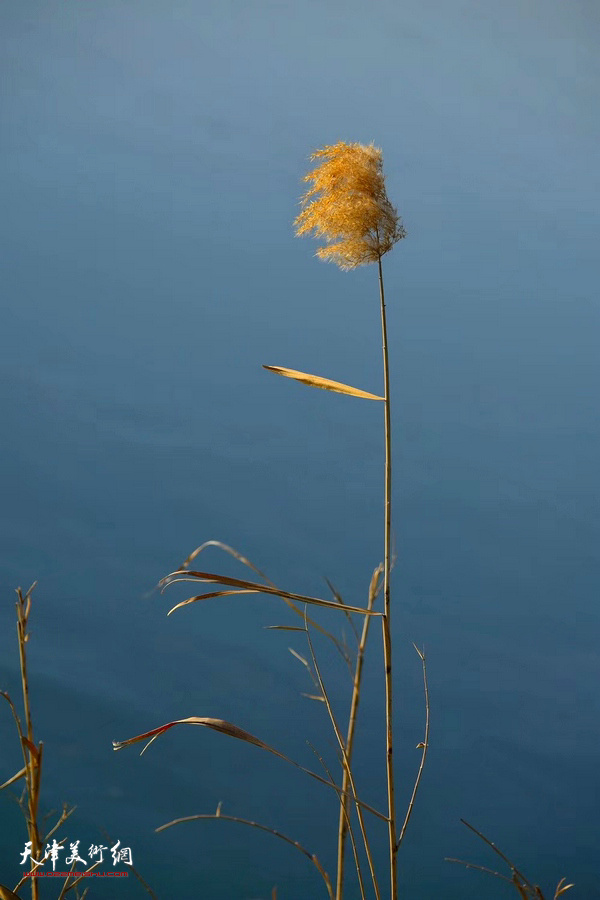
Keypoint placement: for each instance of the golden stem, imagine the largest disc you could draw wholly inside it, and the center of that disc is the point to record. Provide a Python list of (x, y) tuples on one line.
[(345, 806), (387, 639), (32, 763)]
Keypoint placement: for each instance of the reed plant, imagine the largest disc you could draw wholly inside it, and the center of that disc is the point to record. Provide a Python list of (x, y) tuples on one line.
[(38, 848), (31, 776), (526, 889), (346, 205)]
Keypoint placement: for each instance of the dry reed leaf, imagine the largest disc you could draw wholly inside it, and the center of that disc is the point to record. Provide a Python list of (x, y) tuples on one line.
[(298, 656), (6, 894), (232, 731), (246, 562), (24, 772), (248, 587), (325, 384), (215, 724), (283, 628), (227, 549), (207, 597), (32, 748), (561, 887)]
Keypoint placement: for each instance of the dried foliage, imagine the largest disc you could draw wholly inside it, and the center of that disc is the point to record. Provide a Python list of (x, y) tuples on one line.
[(523, 886), (326, 384), (347, 205), (29, 801), (31, 772)]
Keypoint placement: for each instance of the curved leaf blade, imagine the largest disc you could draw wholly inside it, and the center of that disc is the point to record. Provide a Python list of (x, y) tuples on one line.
[(251, 587)]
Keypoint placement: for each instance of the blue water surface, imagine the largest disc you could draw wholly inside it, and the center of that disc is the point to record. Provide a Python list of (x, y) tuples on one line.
[(151, 164)]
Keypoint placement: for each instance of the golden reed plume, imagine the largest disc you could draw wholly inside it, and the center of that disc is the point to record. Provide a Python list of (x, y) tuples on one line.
[(348, 206)]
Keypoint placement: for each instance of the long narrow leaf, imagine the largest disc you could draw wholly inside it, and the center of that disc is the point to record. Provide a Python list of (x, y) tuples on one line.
[(326, 384), (252, 586), (347, 767), (216, 724), (207, 597), (284, 628), (233, 731), (6, 894), (246, 562), (17, 776), (561, 887)]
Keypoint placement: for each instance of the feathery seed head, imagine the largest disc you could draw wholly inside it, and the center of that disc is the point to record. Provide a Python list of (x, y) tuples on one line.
[(348, 206)]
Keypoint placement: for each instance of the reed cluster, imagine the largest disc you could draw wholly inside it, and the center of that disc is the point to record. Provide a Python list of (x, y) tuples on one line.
[(31, 776), (38, 849), (347, 206)]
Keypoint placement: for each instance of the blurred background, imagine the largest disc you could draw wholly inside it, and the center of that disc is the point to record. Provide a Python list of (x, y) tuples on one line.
[(152, 158)]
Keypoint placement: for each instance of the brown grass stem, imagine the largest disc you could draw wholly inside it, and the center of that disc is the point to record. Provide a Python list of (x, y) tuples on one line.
[(32, 773), (344, 817), (219, 815), (67, 811), (347, 767), (347, 206), (424, 745), (345, 808), (246, 562), (386, 622), (32, 754), (485, 869), (524, 887)]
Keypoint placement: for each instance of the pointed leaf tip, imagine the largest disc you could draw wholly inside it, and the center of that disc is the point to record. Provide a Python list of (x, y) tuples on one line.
[(325, 384)]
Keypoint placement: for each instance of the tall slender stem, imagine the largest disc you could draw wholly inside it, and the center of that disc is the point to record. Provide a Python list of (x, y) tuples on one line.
[(385, 621), (32, 763), (345, 804)]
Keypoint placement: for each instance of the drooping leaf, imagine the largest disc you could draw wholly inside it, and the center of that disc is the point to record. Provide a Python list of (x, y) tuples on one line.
[(250, 587), (216, 724), (233, 731), (7, 894)]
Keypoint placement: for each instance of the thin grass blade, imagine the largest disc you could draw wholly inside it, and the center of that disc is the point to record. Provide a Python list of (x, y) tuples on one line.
[(233, 731), (215, 724), (246, 562), (283, 628), (251, 587), (219, 815), (561, 887), (17, 776)]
